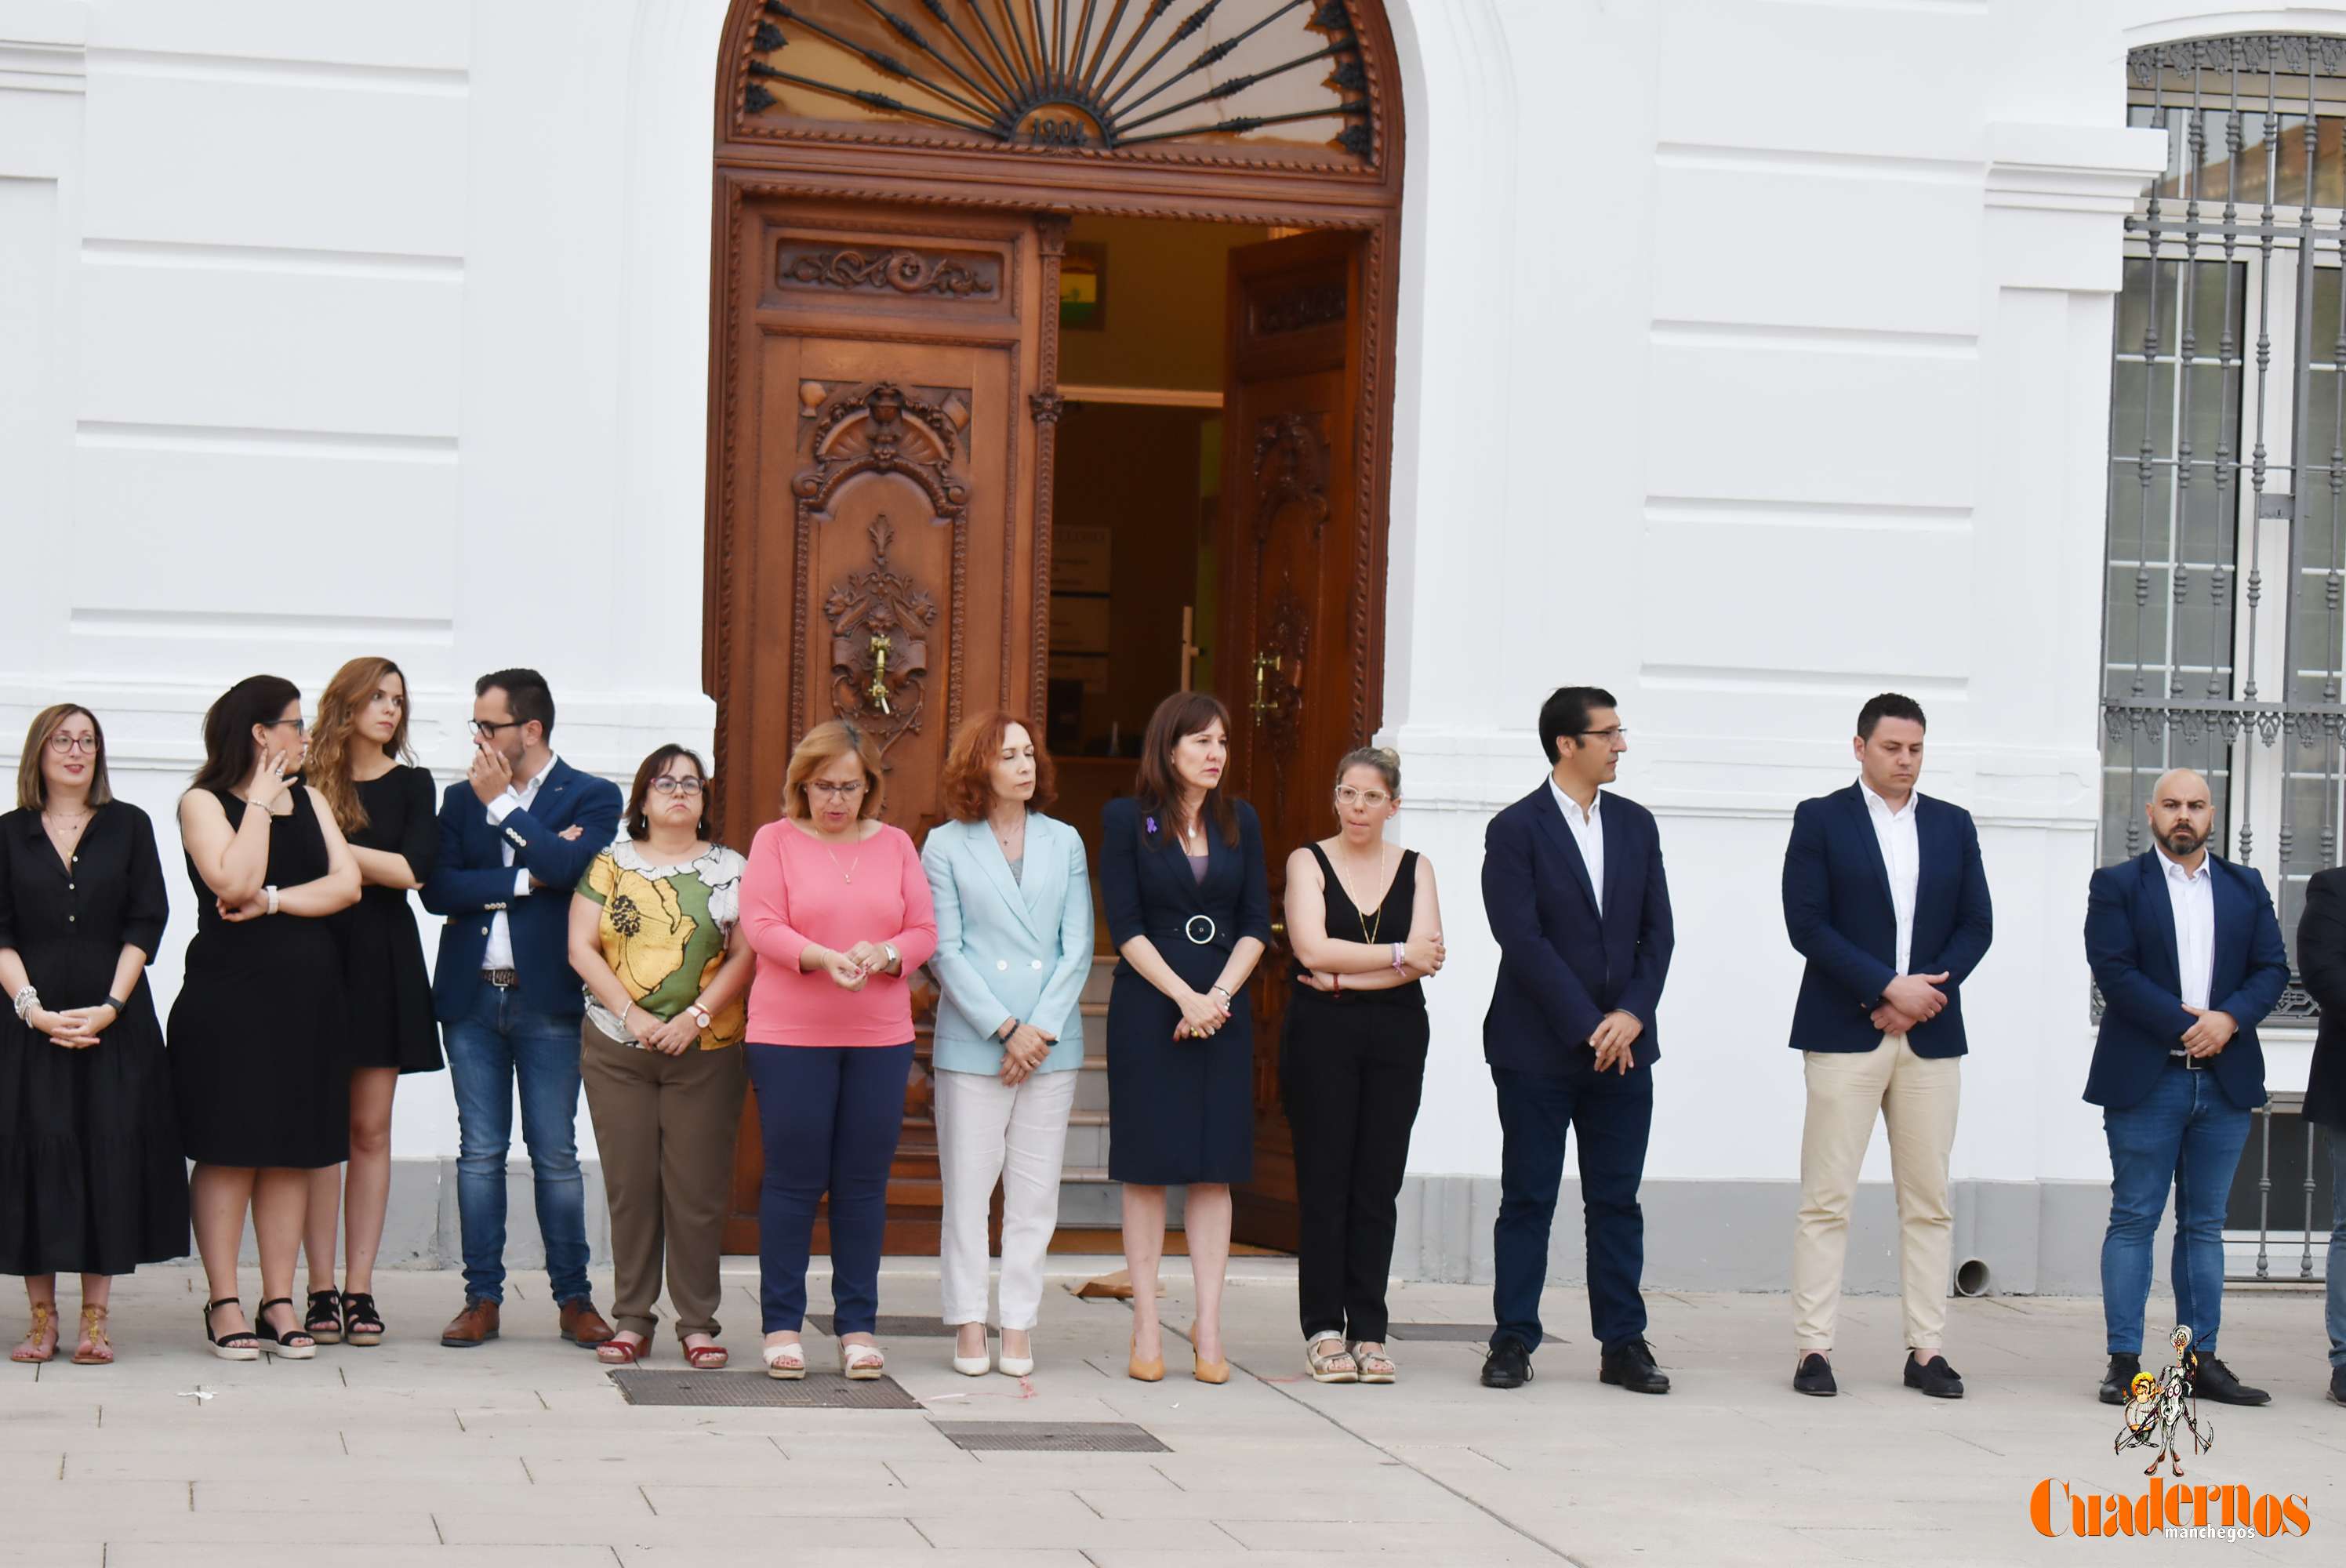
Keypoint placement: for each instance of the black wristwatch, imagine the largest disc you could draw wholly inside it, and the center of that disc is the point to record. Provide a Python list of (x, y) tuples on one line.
[(119, 1006), (1009, 1027)]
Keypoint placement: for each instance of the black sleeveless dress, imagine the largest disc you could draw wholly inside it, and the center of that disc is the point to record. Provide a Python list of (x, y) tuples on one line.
[(90, 1176), (390, 990), (260, 1034)]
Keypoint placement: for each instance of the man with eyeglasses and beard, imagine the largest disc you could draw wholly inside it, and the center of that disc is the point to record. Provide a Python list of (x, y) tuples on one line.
[(2188, 955), (516, 834)]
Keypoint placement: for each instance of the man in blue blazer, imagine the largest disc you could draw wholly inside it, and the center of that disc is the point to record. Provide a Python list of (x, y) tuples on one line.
[(2189, 958), (515, 838), (1573, 887), (1885, 896)]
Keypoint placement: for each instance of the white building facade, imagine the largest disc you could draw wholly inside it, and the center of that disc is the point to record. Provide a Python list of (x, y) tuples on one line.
[(1754, 356)]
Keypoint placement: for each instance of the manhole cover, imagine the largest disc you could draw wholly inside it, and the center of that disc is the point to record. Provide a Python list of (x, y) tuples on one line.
[(1453, 1333), (816, 1390), (892, 1328), (1052, 1437)]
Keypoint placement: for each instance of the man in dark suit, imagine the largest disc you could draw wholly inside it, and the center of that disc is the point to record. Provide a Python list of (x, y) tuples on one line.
[(2321, 956), (1885, 896), (2188, 955), (1573, 887), (515, 835)]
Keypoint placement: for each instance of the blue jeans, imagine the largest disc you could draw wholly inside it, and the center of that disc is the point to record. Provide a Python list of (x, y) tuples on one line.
[(830, 1117), (2184, 1133), (2337, 1247), (502, 1041), (1612, 1114)]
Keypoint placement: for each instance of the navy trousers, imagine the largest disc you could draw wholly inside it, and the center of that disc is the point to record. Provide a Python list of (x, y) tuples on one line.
[(1612, 1113), (829, 1115)]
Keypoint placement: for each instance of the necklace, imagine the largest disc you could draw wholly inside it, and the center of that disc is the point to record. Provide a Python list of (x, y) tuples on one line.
[(847, 872), (1368, 927), (1004, 839)]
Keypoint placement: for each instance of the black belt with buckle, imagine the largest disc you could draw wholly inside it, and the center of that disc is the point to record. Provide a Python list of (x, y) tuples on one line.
[(1197, 931), (2191, 1063), (503, 979)]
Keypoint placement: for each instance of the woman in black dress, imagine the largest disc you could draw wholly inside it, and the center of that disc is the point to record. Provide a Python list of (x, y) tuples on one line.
[(260, 1034), (363, 767), (1181, 879), (90, 1179), (1366, 929)]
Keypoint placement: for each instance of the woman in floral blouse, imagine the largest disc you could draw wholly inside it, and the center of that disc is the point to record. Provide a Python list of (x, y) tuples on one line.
[(651, 934)]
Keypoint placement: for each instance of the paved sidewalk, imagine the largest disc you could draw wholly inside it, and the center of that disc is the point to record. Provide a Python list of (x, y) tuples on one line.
[(523, 1455)]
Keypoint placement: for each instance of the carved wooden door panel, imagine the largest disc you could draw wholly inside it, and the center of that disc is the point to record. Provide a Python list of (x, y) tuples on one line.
[(879, 555), (1293, 579)]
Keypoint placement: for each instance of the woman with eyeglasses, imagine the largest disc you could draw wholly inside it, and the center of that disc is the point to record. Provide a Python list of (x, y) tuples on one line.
[(1181, 879), (364, 770), (653, 935), (836, 906), (1365, 926), (260, 1034), (95, 1185)]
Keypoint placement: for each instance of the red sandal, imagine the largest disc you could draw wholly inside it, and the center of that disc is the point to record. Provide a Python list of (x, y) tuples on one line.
[(705, 1358), (616, 1352)]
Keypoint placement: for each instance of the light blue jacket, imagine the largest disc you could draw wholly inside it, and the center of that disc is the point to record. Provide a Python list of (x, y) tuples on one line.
[(1009, 948)]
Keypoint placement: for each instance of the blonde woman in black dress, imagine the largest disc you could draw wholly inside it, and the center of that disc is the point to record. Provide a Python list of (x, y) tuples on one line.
[(259, 1062), (90, 1178), (364, 770)]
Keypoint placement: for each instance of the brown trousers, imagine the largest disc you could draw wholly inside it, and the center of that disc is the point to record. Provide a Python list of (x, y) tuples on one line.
[(664, 1126)]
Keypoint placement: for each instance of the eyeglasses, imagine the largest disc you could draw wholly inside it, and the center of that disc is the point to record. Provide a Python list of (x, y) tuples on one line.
[(301, 725), (487, 731), (672, 784), (1373, 799), (1616, 733), (831, 791), (62, 744)]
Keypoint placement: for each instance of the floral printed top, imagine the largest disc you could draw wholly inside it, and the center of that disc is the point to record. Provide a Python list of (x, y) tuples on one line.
[(664, 930)]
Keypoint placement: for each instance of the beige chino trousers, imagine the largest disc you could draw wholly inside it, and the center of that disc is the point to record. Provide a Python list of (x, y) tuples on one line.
[(1916, 1096)]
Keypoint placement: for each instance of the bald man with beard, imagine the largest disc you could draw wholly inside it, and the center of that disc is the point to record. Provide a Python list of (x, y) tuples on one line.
[(2188, 955)]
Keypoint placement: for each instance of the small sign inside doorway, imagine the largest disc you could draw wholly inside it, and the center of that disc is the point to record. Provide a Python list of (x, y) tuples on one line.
[(1083, 287)]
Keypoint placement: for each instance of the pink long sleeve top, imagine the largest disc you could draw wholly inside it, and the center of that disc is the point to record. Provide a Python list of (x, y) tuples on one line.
[(798, 889)]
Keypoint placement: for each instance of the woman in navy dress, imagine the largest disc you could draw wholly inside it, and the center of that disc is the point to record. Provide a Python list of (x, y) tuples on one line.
[(1181, 879)]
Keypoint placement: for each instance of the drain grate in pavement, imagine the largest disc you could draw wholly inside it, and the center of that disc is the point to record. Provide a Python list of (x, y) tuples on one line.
[(816, 1390), (892, 1328), (1453, 1333), (1052, 1437)]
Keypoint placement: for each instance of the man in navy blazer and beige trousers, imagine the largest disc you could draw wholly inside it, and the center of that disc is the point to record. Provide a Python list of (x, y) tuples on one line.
[(1573, 887), (1885, 896)]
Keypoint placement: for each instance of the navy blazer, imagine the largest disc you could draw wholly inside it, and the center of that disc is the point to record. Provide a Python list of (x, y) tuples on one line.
[(1562, 968), (1839, 915), (2321, 958), (472, 882), (1148, 890), (2130, 942)]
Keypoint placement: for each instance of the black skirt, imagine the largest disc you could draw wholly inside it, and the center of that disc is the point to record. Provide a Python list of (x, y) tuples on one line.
[(1179, 1110)]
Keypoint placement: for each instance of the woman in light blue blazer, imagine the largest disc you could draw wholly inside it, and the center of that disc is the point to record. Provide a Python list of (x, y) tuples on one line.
[(1013, 906)]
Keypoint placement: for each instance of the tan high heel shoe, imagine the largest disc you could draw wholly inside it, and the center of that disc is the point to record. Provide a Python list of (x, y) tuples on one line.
[(1140, 1371), (1207, 1371)]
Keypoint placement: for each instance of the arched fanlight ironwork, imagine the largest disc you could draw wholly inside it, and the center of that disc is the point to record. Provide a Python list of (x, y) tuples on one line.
[(1097, 75)]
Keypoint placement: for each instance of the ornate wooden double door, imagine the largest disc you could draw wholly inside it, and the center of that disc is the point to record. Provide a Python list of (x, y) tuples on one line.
[(880, 547)]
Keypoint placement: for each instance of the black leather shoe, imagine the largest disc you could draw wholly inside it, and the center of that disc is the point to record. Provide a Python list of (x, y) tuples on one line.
[(2338, 1384), (1935, 1377), (1631, 1367), (2118, 1382), (1815, 1377), (1510, 1366), (2215, 1382)]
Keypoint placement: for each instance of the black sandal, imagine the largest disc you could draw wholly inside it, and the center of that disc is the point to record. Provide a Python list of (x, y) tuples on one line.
[(361, 1323), (323, 1320), (293, 1344), (241, 1346)]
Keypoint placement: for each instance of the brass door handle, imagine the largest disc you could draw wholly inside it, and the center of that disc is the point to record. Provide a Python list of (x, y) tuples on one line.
[(1263, 665), (879, 690)]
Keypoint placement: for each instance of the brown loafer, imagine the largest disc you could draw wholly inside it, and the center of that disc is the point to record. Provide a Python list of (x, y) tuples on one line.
[(475, 1325), (582, 1324)]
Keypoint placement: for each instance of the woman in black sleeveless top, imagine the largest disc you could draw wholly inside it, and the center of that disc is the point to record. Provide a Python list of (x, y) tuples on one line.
[(1366, 929), (260, 1034)]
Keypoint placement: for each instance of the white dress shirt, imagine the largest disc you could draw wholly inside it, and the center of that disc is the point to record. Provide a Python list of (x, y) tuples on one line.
[(2192, 896), (1902, 857), (499, 954), (1588, 832)]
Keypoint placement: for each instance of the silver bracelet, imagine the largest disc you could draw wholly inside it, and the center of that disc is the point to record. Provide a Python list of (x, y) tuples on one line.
[(271, 891), (28, 1002)]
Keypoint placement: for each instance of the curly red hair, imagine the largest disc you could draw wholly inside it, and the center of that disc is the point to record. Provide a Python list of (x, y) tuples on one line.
[(967, 786)]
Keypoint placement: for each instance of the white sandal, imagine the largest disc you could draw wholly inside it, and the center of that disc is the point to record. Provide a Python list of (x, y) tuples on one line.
[(862, 1362), (1323, 1367), (788, 1361)]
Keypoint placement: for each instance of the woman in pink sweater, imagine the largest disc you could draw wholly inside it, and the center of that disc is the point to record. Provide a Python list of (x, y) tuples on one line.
[(836, 907)]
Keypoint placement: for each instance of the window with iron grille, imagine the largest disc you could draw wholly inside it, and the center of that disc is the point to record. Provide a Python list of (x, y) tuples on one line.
[(2225, 608)]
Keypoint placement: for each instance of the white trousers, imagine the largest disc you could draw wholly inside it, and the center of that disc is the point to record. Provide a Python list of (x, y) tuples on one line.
[(987, 1130)]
